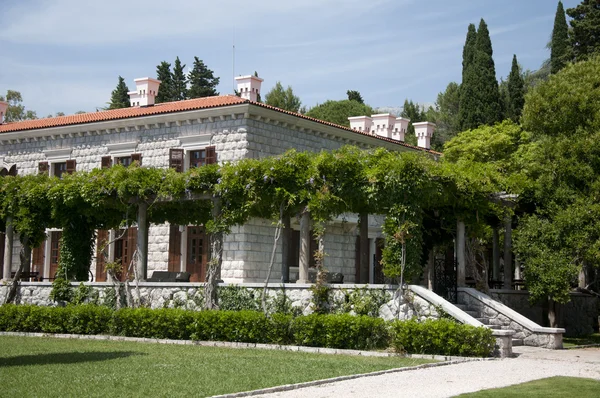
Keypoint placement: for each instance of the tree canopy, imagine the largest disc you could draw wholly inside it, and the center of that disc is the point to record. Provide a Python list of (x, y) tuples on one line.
[(119, 97), (338, 112), (179, 81), (16, 110), (559, 45), (584, 35), (165, 91), (283, 98), (203, 82)]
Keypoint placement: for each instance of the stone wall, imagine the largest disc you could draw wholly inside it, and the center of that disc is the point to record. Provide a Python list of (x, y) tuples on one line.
[(578, 317)]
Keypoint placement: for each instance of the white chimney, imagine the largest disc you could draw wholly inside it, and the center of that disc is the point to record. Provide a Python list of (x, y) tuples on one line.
[(383, 124), (3, 108), (400, 127), (424, 132), (361, 123), (249, 87), (146, 90)]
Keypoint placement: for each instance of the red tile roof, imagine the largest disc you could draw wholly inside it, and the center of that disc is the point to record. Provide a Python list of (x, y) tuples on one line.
[(169, 107)]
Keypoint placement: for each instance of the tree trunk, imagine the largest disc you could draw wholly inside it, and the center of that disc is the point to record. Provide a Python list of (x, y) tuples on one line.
[(553, 313), (364, 247), (214, 265), (263, 298), (25, 257), (285, 249), (460, 253)]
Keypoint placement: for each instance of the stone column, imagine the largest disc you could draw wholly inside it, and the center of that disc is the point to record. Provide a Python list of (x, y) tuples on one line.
[(372, 249), (364, 247), (495, 254), (508, 253), (286, 235), (304, 260), (8, 249), (460, 253), (429, 271), (142, 241), (581, 280)]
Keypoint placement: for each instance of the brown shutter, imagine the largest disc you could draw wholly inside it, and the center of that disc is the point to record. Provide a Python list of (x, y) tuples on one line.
[(43, 167), (174, 249), (176, 159), (100, 255), (1, 254), (136, 157), (13, 170), (357, 260), (211, 155), (3, 172), (106, 162), (71, 166), (38, 258)]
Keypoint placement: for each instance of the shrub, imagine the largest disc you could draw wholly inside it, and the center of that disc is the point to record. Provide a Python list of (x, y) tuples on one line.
[(238, 298), (441, 336)]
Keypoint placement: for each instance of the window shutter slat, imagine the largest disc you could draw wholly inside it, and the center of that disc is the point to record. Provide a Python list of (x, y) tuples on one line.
[(106, 162), (43, 168), (176, 159), (211, 155), (71, 166), (136, 157)]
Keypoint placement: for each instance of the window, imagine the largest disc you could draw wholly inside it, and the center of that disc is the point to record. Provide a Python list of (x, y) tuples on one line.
[(59, 168), (123, 160), (203, 157)]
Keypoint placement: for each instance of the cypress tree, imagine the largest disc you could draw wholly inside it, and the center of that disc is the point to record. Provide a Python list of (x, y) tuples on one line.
[(468, 107), (179, 81), (165, 90), (516, 92), (119, 97), (559, 46), (487, 85), (203, 83)]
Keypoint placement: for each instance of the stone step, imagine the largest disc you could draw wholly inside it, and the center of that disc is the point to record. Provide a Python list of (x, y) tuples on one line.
[(517, 342), (495, 327), (461, 307), (485, 321), (474, 314)]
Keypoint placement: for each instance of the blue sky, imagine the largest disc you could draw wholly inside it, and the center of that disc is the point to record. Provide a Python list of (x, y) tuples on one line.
[(66, 55)]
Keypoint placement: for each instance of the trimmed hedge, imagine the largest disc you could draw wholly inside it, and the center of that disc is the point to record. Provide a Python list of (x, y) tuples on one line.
[(332, 331)]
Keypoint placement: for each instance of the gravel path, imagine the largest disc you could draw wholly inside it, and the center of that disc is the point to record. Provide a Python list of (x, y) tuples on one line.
[(446, 381)]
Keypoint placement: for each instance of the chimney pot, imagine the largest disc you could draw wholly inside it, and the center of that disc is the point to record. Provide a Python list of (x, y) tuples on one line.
[(145, 92), (424, 132), (3, 108)]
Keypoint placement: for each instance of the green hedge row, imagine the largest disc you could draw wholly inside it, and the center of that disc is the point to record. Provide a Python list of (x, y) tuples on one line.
[(334, 331)]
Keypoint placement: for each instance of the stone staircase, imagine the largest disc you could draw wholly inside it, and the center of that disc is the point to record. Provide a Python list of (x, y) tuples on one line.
[(488, 322)]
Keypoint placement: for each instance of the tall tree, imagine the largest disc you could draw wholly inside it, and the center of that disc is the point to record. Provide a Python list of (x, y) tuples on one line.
[(585, 29), (165, 90), (468, 106), (445, 116), (119, 97), (559, 46), (203, 82), (469, 49), (338, 112), (179, 81), (516, 92), (16, 110), (283, 98), (354, 95)]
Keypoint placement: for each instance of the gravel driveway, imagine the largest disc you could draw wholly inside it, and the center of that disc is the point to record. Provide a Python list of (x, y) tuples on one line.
[(445, 381)]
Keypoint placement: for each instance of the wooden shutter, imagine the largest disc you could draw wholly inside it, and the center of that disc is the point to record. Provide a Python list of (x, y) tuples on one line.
[(2, 254), (13, 170), (100, 255), (38, 258), (71, 166), (176, 159), (3, 172), (43, 168), (174, 249), (136, 157), (106, 162), (357, 260), (211, 155)]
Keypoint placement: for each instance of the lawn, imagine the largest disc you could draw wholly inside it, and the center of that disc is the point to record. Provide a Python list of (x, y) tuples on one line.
[(584, 340), (551, 387), (51, 367)]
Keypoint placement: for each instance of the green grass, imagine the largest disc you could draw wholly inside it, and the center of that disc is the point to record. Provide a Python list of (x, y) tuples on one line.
[(584, 340), (551, 387), (51, 367)]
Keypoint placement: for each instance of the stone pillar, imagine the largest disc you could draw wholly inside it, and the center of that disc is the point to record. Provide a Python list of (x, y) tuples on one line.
[(8, 249), (142, 241), (460, 253), (518, 269), (495, 254), (581, 280), (508, 253), (372, 249), (364, 247), (286, 236), (304, 260), (429, 271)]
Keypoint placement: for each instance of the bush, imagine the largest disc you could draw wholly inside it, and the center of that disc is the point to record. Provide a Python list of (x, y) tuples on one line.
[(344, 331), (442, 336)]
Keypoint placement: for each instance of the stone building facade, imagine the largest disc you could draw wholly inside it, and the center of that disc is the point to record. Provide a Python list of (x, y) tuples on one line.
[(186, 134)]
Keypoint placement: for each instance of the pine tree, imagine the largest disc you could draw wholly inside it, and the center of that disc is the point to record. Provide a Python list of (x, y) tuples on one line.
[(354, 95), (584, 35), (469, 49), (179, 81), (119, 97), (559, 46), (203, 83), (283, 99), (487, 83), (516, 92), (165, 90)]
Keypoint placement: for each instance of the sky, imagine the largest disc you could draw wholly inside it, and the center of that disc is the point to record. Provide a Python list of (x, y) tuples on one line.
[(66, 55)]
